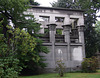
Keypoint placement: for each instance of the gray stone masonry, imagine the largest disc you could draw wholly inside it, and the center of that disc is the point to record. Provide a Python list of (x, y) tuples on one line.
[(69, 45)]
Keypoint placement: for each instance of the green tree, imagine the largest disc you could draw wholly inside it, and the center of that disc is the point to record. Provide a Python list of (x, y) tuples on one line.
[(21, 48), (32, 2), (14, 11), (91, 7), (11, 10), (65, 4), (9, 64), (89, 65), (97, 28)]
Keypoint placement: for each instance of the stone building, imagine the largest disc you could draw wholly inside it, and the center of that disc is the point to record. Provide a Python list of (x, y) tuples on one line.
[(63, 31)]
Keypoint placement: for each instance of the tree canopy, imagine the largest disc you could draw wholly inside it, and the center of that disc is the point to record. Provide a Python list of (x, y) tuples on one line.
[(32, 2), (12, 11), (24, 45), (97, 28)]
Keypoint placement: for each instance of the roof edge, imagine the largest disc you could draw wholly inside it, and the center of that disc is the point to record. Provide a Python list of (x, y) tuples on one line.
[(56, 8)]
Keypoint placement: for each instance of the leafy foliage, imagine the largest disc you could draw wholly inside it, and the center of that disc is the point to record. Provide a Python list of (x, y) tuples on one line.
[(66, 4), (11, 10), (60, 68), (59, 31), (32, 2), (23, 45), (14, 13), (89, 65), (9, 67), (91, 7), (97, 28)]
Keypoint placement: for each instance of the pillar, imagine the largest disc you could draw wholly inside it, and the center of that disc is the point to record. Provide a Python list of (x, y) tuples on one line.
[(66, 29), (81, 38), (52, 32)]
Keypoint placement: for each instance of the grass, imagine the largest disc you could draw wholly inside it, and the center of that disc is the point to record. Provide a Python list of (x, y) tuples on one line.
[(67, 75)]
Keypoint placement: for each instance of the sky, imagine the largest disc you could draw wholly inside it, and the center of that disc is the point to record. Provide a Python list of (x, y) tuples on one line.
[(45, 2)]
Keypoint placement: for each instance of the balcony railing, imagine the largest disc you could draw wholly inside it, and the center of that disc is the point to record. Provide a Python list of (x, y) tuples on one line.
[(45, 38), (74, 36), (59, 38)]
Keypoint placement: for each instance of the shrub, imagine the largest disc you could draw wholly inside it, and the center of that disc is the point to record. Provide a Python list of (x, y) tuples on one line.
[(89, 65), (60, 68), (9, 67)]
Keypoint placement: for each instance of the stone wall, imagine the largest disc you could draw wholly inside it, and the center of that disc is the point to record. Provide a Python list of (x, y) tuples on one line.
[(71, 54), (69, 47)]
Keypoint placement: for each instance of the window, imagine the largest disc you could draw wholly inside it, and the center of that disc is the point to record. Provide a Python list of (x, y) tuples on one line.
[(59, 19), (44, 18), (73, 22)]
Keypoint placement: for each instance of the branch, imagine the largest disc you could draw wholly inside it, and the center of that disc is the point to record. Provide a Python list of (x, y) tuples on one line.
[(7, 14), (97, 16)]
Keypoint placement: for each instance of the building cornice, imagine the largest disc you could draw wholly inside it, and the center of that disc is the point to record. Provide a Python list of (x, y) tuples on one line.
[(56, 8)]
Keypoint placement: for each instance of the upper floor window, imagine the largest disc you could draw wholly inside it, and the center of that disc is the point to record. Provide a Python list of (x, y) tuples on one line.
[(44, 18), (73, 22), (59, 19)]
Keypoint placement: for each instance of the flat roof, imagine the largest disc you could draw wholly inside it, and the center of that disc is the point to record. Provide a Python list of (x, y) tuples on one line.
[(57, 8)]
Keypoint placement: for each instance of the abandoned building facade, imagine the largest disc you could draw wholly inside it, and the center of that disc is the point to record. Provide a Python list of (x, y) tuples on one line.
[(63, 31)]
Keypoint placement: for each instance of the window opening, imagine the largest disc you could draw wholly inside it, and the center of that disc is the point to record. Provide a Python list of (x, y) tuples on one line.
[(44, 18), (74, 23), (59, 19), (59, 31)]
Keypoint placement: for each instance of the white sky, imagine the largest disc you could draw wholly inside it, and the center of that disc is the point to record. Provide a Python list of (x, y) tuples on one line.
[(45, 2), (98, 14)]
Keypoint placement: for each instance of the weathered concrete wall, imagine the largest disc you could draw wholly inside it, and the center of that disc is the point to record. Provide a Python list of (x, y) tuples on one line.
[(67, 14), (71, 54), (61, 53)]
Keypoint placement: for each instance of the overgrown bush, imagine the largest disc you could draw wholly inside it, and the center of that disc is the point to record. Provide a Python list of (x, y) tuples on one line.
[(60, 68), (9, 67), (89, 65)]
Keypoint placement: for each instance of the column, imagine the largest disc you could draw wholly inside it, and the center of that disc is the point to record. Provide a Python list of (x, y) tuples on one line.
[(52, 32), (66, 29), (81, 38)]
